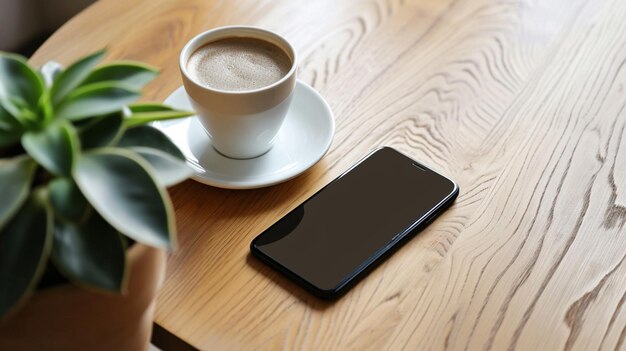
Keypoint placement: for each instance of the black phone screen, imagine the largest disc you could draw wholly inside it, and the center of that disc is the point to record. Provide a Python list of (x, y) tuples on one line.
[(343, 227)]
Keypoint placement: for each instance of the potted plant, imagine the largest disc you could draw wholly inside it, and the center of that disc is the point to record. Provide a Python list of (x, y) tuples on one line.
[(84, 215)]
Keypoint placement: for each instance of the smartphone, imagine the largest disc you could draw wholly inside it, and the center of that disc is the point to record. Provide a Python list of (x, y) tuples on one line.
[(334, 238)]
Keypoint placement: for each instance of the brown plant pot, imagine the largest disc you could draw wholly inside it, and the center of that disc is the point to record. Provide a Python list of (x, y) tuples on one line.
[(68, 317)]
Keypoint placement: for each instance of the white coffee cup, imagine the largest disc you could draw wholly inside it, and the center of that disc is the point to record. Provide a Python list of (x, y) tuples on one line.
[(241, 124)]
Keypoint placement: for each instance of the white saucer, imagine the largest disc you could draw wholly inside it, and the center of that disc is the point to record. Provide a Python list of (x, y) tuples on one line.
[(302, 141)]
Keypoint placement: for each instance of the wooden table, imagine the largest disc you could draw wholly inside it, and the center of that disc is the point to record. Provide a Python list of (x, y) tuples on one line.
[(522, 102)]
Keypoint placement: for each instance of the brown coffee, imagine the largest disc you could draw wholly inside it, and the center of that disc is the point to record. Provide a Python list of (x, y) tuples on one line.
[(238, 64)]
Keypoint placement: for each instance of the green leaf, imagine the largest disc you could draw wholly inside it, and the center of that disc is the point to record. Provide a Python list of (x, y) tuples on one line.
[(55, 147), (10, 129), (92, 254), (120, 186), (95, 100), (101, 131), (149, 107), (148, 112), (25, 245), (20, 110), (73, 76), (67, 200), (45, 109), (131, 74), (19, 80), (7, 121), (139, 119), (169, 169), (150, 137), (16, 176)]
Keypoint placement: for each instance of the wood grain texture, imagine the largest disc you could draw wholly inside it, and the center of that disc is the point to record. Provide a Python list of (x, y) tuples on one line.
[(522, 102)]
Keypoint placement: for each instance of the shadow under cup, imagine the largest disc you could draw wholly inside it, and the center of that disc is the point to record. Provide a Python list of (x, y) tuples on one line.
[(241, 124)]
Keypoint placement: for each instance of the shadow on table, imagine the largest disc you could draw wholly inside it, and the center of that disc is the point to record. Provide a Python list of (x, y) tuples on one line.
[(287, 285), (203, 210), (242, 202)]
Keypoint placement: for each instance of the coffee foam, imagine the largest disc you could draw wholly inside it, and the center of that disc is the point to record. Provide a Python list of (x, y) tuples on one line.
[(238, 64)]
